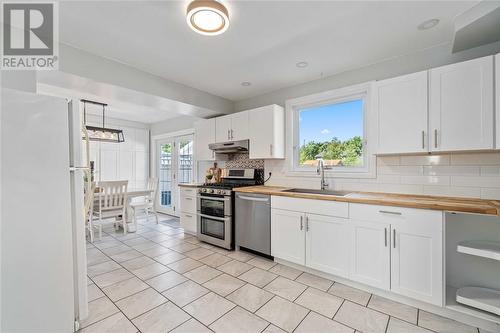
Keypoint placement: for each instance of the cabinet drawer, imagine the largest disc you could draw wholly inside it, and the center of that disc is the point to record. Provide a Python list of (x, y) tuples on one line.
[(320, 207), (188, 191), (188, 204), (390, 214), (189, 222)]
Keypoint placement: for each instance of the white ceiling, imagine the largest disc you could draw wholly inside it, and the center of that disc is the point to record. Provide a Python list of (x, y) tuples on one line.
[(264, 41)]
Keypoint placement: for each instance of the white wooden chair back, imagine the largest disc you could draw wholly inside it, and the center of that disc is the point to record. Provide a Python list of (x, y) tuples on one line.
[(153, 186), (113, 195)]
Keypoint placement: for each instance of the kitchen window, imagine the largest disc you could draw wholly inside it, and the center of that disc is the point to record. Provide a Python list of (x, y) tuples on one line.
[(334, 126)]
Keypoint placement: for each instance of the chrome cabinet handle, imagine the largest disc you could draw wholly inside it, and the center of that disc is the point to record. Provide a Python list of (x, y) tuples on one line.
[(435, 138), (271, 149), (188, 198), (301, 222), (187, 215), (389, 212), (232, 136), (385, 237), (229, 134), (423, 139), (394, 238)]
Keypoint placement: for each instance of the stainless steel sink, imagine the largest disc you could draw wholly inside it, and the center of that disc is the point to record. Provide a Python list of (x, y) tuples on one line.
[(325, 192)]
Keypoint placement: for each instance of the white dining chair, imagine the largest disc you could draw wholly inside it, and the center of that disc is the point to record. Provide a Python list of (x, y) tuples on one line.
[(148, 205), (89, 208), (111, 204)]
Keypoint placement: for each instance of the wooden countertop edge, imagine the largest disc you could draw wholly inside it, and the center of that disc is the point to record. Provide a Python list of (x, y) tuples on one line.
[(190, 185), (452, 204)]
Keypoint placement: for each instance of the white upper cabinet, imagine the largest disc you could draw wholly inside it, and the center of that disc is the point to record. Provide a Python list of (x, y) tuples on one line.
[(461, 106), (239, 126), (267, 132), (232, 127), (401, 106), (497, 99), (223, 129), (204, 134)]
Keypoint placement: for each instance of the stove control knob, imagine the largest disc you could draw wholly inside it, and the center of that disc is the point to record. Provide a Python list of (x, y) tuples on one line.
[(210, 191), (221, 191), (203, 190)]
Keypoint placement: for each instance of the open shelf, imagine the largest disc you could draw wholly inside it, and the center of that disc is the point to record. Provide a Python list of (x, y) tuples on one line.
[(485, 249), (481, 298), (451, 303)]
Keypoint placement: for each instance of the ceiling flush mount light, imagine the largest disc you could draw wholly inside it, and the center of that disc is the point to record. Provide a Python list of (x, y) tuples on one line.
[(302, 64), (207, 17), (428, 24), (246, 84)]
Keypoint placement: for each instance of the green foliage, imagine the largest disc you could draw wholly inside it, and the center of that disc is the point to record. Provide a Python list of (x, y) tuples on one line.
[(166, 148), (348, 151)]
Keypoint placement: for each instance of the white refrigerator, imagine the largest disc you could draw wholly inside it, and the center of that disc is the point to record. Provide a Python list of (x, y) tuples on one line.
[(43, 259)]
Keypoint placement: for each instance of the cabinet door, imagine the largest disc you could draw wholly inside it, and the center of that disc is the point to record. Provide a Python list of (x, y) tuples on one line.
[(288, 236), (239, 126), (327, 244), (189, 223), (223, 128), (402, 114), (417, 256), (370, 253), (461, 106), (204, 135), (266, 126)]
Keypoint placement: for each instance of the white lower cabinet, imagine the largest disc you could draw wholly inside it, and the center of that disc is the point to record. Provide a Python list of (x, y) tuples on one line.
[(390, 248), (287, 236), (327, 244), (370, 253), (188, 208), (417, 257)]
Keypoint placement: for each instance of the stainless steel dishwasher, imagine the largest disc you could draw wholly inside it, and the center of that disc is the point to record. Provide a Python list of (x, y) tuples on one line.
[(253, 222)]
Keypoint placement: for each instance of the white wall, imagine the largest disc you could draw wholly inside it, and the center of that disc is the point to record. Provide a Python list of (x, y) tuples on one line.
[(173, 125), (122, 161)]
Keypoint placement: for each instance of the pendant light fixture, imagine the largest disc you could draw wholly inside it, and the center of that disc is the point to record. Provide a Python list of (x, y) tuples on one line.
[(101, 133), (207, 17)]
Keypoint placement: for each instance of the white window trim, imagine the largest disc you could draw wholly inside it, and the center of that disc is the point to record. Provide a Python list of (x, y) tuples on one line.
[(333, 96)]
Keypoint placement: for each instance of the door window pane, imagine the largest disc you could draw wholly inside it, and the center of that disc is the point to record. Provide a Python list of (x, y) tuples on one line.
[(186, 160), (165, 175)]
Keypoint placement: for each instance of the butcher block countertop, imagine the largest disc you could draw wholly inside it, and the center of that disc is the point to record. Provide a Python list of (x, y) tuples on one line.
[(464, 205), (190, 185)]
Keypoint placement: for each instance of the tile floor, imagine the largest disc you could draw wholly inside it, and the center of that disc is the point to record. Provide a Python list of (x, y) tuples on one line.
[(162, 280)]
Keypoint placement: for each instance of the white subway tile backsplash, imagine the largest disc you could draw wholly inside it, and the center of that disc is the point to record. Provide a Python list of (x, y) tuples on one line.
[(425, 160), (461, 175), (490, 170), (451, 170), (400, 170), (475, 181), (490, 193), (453, 191), (388, 160), (425, 180), (476, 159)]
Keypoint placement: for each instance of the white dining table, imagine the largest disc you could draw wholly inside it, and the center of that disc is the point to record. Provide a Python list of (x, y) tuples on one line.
[(131, 194)]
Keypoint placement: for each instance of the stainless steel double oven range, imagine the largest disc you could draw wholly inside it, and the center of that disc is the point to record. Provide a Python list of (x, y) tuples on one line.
[(216, 206)]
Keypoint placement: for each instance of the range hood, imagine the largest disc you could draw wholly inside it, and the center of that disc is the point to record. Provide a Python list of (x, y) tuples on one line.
[(231, 147)]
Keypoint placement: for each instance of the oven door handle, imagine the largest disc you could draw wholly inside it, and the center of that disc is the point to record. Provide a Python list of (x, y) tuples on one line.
[(214, 198), (215, 218)]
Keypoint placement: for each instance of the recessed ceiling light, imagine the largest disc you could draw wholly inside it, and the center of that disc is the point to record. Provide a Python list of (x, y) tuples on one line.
[(207, 17), (302, 64), (246, 83), (428, 24)]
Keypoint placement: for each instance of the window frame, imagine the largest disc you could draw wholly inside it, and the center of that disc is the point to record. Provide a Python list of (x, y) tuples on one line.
[(293, 107)]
